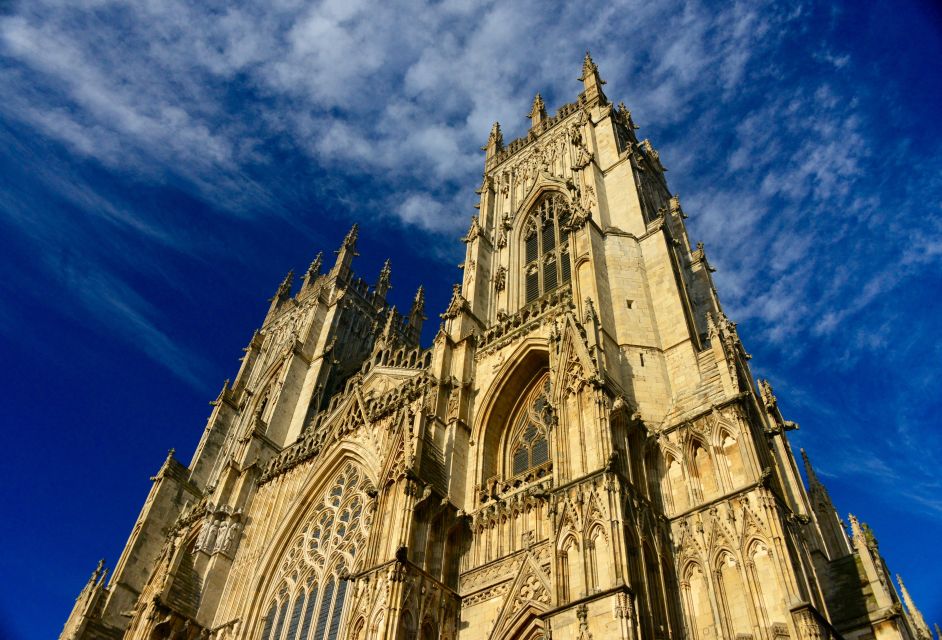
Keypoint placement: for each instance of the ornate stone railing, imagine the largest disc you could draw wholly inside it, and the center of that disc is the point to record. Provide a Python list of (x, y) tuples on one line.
[(526, 319)]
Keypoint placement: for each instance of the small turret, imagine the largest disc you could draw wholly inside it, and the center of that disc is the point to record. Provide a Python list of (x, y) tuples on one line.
[(417, 313), (388, 336), (809, 471), (537, 112), (382, 285), (314, 270), (495, 142), (346, 253), (592, 82), (283, 293)]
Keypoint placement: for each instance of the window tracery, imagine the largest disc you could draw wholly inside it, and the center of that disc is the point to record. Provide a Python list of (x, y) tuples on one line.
[(310, 596), (546, 246), (529, 442)]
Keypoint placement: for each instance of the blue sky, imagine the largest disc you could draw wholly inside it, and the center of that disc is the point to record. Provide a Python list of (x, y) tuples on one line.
[(165, 163)]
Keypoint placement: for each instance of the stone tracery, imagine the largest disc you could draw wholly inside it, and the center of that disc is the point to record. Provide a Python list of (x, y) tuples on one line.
[(546, 261), (314, 570)]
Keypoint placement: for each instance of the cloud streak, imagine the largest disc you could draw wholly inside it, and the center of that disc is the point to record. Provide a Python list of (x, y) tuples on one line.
[(783, 160)]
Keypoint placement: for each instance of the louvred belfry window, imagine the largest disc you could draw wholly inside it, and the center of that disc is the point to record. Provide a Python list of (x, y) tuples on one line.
[(546, 247), (314, 566), (529, 442)]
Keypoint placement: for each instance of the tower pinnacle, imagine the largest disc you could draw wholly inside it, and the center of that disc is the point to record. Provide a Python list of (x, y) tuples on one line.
[(347, 251), (284, 290), (495, 142), (592, 82), (417, 313), (809, 470), (537, 112), (382, 285), (314, 269)]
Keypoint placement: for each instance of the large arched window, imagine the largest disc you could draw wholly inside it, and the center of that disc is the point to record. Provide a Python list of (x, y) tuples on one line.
[(546, 262), (528, 446), (310, 595)]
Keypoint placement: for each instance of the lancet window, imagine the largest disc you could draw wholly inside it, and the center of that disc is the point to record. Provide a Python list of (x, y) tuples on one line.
[(309, 598), (546, 247), (529, 441)]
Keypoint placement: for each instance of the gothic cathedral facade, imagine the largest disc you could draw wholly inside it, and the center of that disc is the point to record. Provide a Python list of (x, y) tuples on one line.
[(582, 452)]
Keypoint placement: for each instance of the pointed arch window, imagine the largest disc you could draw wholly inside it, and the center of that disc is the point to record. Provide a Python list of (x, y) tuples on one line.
[(309, 601), (529, 441), (546, 247)]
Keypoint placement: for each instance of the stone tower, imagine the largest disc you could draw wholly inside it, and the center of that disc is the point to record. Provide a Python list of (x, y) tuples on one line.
[(581, 453)]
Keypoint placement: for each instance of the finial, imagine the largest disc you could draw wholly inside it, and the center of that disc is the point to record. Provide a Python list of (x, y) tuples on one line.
[(809, 470), (592, 82), (417, 312), (97, 573), (346, 253), (284, 289), (385, 272), (537, 111), (496, 135), (922, 629), (352, 235), (315, 267), (419, 296), (390, 323), (495, 142), (588, 65), (624, 113), (382, 285)]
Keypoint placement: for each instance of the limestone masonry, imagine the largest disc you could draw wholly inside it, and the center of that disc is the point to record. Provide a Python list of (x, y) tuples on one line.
[(581, 453)]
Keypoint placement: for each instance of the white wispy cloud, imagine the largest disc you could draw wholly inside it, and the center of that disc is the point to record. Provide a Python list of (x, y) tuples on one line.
[(783, 173)]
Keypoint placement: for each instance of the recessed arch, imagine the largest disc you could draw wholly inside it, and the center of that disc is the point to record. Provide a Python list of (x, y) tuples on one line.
[(268, 574), (524, 366)]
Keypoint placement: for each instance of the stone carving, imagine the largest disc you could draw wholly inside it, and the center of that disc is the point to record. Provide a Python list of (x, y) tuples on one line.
[(474, 231), (457, 305), (500, 278)]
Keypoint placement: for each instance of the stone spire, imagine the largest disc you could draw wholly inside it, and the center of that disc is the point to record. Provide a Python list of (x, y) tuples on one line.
[(283, 292), (537, 112), (388, 336), (417, 313), (347, 252), (809, 470), (495, 142), (97, 575), (592, 82), (938, 631), (314, 269), (915, 616), (382, 285)]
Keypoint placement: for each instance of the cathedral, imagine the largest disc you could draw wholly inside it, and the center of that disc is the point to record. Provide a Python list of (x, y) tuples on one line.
[(581, 453)]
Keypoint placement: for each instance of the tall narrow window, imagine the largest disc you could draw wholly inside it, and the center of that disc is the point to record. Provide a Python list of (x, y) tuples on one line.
[(295, 615), (529, 444), (281, 620), (324, 548), (308, 614), (270, 621), (546, 247), (324, 614)]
